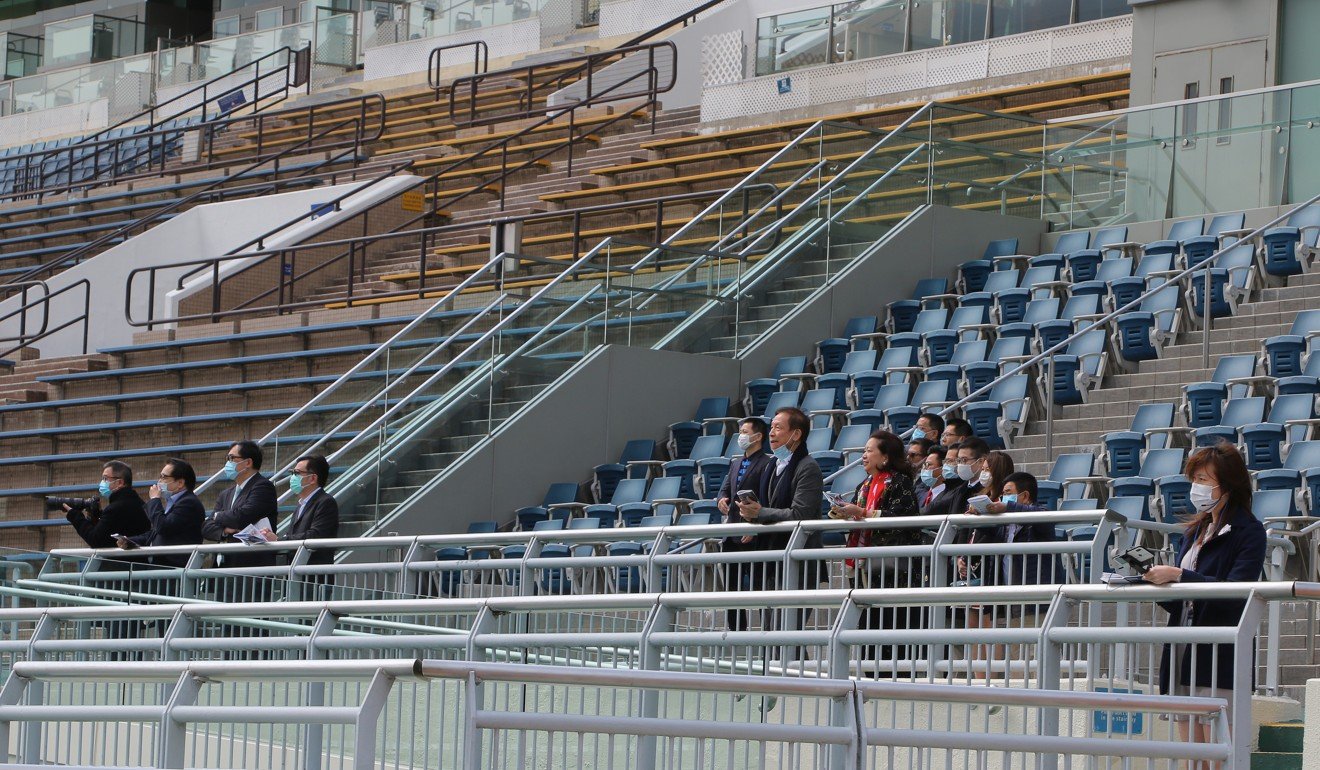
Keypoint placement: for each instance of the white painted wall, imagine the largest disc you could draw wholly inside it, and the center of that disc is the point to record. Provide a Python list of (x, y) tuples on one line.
[(198, 233)]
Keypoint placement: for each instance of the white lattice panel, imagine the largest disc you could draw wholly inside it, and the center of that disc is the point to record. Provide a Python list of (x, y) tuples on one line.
[(957, 63), (1021, 53), (1102, 40), (1099, 40), (722, 58)]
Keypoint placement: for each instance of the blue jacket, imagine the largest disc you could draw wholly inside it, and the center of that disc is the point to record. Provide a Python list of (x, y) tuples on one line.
[(1235, 554)]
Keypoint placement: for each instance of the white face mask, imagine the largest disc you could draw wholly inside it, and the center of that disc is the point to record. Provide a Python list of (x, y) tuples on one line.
[(984, 478), (965, 472), (1202, 496)]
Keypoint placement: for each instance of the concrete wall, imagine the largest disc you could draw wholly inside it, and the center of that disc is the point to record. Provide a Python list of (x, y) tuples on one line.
[(198, 233), (621, 393), (615, 394), (1170, 34), (932, 244)]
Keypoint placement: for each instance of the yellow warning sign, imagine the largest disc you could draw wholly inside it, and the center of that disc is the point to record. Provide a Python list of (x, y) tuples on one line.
[(412, 200)]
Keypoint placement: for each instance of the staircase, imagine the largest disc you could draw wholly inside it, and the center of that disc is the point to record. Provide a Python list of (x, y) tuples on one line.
[(1111, 406), (1280, 747)]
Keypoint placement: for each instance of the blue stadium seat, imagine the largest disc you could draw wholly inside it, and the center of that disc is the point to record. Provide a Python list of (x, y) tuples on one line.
[(1231, 280), (705, 447), (1286, 354), (1289, 250), (1150, 430), (663, 498), (1203, 402), (1077, 311), (759, 390), (838, 381), (558, 494), (1238, 413), (1156, 466), (1306, 382), (951, 373), (830, 352), (997, 419), (1076, 371), (634, 458), (1074, 241), (1038, 311), (819, 404), (903, 312), (626, 492), (1140, 335), (1179, 232), (1299, 475), (709, 419), (1292, 419)]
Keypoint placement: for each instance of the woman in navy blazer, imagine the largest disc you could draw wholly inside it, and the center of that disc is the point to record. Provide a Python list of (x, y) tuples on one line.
[(1223, 542)]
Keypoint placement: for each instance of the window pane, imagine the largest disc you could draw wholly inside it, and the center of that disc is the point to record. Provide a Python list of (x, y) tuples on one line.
[(870, 28), (947, 22), (226, 27), (1012, 17), (791, 40), (270, 18), (1090, 10)]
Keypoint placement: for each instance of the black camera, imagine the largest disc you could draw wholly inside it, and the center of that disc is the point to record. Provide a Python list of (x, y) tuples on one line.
[(75, 503)]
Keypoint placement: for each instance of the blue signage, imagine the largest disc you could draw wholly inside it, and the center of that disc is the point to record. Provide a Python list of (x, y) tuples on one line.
[(785, 85), (231, 101), (1117, 722)]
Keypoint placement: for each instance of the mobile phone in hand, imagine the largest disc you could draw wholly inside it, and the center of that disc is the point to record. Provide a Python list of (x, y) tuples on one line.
[(746, 496)]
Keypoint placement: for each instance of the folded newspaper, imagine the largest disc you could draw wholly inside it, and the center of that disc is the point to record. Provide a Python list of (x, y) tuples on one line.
[(251, 534)]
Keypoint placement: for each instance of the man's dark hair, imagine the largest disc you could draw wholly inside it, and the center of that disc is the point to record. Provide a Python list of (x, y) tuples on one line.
[(1024, 482), (976, 445), (182, 471), (249, 450), (797, 420), (923, 445), (121, 471), (960, 427), (936, 422), (938, 451), (757, 424), (318, 465)]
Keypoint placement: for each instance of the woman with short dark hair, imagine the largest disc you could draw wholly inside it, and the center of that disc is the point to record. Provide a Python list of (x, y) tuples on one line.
[(1223, 542)]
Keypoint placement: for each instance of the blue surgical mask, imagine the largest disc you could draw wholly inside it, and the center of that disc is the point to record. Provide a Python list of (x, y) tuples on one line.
[(783, 453), (295, 484), (1008, 499), (928, 477), (164, 490), (230, 471), (917, 434), (104, 488), (950, 470)]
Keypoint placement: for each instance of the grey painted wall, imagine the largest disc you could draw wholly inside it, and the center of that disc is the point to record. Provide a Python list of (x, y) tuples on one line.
[(621, 393), (1196, 28), (616, 394)]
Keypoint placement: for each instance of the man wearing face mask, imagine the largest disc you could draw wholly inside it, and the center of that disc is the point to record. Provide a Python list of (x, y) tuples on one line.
[(175, 514), (123, 512), (929, 426), (932, 478), (251, 499), (745, 473), (962, 470), (916, 451)]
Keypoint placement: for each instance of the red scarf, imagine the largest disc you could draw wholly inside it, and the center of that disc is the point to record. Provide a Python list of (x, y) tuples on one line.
[(872, 493)]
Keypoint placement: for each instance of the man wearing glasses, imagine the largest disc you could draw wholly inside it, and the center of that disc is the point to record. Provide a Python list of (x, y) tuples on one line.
[(251, 499), (175, 514), (317, 515)]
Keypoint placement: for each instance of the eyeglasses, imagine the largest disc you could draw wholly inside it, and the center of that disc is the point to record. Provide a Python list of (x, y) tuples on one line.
[(302, 473), (163, 477), (235, 458)]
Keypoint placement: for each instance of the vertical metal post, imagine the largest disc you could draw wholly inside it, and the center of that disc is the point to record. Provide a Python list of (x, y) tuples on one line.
[(844, 711), (1050, 671), (1049, 408), (174, 735), (471, 738), (1206, 316), (661, 619), (364, 733), (1244, 664)]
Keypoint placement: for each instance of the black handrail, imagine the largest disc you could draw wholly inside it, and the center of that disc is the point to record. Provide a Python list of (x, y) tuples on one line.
[(92, 247), (357, 246), (152, 113), (106, 158), (480, 62), (25, 337)]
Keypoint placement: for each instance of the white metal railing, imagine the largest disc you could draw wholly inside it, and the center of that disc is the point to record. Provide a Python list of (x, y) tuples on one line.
[(1092, 648)]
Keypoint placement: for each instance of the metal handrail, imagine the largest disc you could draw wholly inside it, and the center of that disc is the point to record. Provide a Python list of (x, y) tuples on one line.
[(372, 356), (90, 248), (480, 62), (1104, 319), (24, 338), (685, 18), (97, 139)]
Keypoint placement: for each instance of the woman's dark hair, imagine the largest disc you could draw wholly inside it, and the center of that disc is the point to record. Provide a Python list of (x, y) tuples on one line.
[(1000, 465), (1230, 469), (893, 448), (182, 471), (1023, 482)]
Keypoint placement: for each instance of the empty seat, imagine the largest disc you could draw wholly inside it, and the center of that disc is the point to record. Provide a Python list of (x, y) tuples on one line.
[(830, 352), (1179, 232), (710, 417), (1238, 413), (897, 365), (1157, 465), (1292, 419), (626, 492), (903, 312), (1000, 417), (705, 447), (839, 380), (1285, 354), (1076, 371), (634, 460), (1231, 280), (1290, 250), (1140, 335), (1150, 430), (759, 390), (561, 496)]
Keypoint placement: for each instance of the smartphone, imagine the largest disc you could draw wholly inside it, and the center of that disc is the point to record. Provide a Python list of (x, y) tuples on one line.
[(747, 496)]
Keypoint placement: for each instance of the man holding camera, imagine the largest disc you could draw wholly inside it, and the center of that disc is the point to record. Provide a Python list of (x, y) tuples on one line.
[(123, 514)]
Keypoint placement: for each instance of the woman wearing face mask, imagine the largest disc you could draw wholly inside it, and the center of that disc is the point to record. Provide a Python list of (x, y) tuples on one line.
[(1223, 542)]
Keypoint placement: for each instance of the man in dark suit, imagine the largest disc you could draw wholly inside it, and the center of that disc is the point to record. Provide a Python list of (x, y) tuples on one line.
[(317, 516), (745, 473), (123, 514), (175, 513), (251, 499)]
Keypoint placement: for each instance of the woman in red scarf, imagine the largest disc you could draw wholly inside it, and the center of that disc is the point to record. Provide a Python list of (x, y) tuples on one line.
[(888, 490)]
